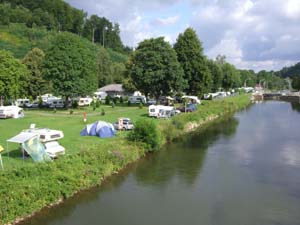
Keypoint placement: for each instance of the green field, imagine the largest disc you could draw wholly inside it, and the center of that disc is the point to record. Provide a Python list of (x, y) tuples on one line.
[(71, 125), (27, 187)]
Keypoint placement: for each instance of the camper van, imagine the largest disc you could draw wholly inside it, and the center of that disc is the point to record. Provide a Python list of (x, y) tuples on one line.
[(11, 112), (137, 99), (85, 101), (55, 102), (22, 102), (160, 111)]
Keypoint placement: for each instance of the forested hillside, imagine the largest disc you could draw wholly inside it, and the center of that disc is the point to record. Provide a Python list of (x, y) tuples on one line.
[(60, 16), (292, 72)]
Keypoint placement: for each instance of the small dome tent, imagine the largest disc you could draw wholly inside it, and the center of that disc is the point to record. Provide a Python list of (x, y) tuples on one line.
[(100, 128)]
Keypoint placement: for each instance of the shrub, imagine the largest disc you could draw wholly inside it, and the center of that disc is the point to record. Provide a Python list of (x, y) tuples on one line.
[(75, 104), (141, 105), (102, 112), (113, 105), (128, 103), (71, 112), (40, 100), (98, 103), (121, 100), (146, 131), (107, 100), (115, 100)]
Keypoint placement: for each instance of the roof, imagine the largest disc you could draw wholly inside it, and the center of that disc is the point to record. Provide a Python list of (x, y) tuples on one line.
[(112, 87), (22, 137)]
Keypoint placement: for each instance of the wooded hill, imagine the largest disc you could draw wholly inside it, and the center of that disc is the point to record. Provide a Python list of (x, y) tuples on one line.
[(60, 16)]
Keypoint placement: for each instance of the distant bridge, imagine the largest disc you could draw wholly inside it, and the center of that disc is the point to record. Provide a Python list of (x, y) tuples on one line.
[(291, 97)]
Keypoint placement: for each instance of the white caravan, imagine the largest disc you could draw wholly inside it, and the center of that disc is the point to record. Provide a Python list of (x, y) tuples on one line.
[(11, 112), (55, 102), (21, 102), (160, 111), (85, 101)]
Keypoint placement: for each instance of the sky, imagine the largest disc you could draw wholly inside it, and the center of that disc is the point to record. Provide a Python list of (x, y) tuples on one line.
[(253, 34)]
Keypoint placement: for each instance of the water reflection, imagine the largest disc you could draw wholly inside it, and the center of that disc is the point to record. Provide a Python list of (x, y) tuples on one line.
[(295, 106), (184, 159)]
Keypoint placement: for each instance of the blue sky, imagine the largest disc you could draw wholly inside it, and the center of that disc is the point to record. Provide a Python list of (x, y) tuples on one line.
[(253, 34)]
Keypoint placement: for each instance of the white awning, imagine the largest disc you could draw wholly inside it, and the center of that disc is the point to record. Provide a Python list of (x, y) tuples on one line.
[(22, 137)]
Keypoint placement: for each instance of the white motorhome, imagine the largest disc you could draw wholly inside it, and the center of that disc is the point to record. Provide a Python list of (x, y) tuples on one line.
[(46, 134), (137, 99), (85, 101), (55, 102), (22, 101), (160, 111), (11, 112), (49, 138)]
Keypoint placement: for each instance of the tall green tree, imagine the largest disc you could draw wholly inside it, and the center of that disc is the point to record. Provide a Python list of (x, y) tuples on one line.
[(37, 85), (104, 63), (231, 77), (190, 55), (248, 78), (70, 65), (13, 76), (217, 75), (154, 69)]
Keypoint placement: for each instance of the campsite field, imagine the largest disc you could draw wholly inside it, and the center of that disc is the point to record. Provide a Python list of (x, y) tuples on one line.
[(70, 124), (88, 160)]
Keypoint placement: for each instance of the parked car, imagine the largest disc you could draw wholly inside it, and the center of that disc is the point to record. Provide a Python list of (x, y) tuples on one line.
[(137, 99), (124, 124), (151, 102), (35, 105)]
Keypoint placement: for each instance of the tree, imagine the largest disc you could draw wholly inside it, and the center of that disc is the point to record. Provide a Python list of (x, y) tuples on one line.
[(37, 85), (231, 76), (70, 65), (217, 75), (104, 63), (248, 78), (154, 69), (13, 76), (296, 82), (190, 55)]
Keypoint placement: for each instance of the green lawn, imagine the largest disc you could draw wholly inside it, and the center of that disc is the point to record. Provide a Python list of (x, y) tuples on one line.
[(71, 125)]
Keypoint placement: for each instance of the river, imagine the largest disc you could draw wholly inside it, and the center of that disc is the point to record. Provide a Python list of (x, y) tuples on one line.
[(240, 171)]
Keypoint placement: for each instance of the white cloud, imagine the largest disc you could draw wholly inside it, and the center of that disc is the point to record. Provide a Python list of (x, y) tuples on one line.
[(166, 21), (255, 34)]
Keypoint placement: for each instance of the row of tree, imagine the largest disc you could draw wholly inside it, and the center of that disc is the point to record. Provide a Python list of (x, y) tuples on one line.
[(73, 66), (59, 15), (157, 68)]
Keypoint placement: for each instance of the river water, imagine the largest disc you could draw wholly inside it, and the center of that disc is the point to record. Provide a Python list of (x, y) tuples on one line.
[(245, 170)]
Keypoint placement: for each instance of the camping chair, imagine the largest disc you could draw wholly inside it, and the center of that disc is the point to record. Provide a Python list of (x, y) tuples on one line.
[(1, 163)]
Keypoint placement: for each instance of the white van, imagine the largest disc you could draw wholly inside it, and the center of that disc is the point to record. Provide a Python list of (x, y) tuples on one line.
[(137, 99), (85, 101), (22, 101), (160, 111)]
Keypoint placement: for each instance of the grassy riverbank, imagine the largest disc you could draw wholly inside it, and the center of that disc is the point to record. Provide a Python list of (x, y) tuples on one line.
[(28, 187)]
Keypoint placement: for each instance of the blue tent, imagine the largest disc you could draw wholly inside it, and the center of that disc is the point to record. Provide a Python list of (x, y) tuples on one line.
[(100, 128)]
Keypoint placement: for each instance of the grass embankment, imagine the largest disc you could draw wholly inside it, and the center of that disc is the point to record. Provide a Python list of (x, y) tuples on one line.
[(27, 187)]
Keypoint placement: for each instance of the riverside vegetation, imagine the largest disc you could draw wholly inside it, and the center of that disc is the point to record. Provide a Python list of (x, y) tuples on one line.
[(29, 187)]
